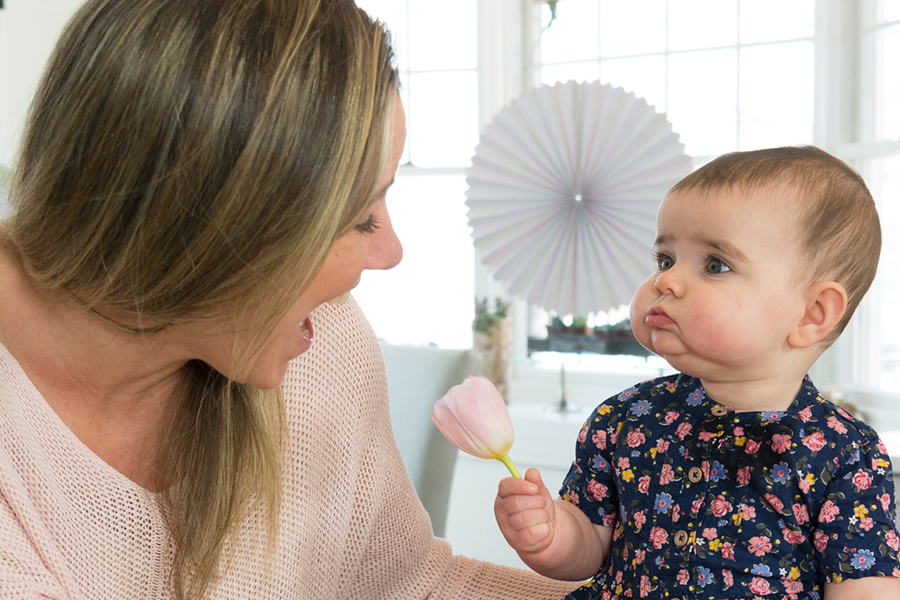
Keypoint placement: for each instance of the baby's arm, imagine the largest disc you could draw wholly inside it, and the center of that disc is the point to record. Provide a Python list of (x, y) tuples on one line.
[(553, 537), (867, 588)]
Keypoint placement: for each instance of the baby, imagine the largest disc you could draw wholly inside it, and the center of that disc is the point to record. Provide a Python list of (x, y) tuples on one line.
[(734, 478)]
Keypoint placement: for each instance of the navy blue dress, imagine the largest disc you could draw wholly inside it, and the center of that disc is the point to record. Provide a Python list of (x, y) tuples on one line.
[(708, 503)]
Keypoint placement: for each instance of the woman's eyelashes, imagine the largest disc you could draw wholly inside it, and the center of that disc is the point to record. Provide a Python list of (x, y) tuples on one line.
[(369, 225)]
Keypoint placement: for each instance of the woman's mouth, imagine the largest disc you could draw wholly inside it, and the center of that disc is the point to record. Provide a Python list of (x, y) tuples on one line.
[(657, 317)]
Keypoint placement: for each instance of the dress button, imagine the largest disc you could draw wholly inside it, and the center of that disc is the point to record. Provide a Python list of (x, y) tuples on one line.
[(681, 538), (718, 410), (695, 475)]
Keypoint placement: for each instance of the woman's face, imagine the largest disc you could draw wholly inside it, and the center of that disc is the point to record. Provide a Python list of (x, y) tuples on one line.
[(371, 244)]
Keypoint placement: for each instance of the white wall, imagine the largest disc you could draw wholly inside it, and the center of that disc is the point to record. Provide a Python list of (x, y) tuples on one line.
[(28, 32)]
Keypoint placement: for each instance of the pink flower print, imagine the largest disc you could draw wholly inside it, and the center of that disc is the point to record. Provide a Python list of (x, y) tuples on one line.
[(599, 439), (676, 512), (743, 475), (792, 588), (582, 435), (639, 519), (671, 416), (862, 480), (801, 513), (644, 484), (597, 490), (892, 540), (658, 537), (738, 431), (805, 414), (792, 536), (866, 523), (728, 551), (614, 436), (683, 430), (707, 435), (882, 448), (774, 502), (662, 446), (639, 556), (607, 595), (836, 425), (759, 545), (710, 533), (645, 586), (759, 585), (751, 447), (829, 512), (803, 482), (573, 497), (815, 441), (666, 475), (820, 541), (748, 513), (624, 462), (636, 438), (720, 506), (727, 578), (844, 413), (781, 443), (683, 577), (696, 504), (885, 502)]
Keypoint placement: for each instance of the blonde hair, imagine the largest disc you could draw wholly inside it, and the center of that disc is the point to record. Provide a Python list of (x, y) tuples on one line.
[(189, 159), (838, 228)]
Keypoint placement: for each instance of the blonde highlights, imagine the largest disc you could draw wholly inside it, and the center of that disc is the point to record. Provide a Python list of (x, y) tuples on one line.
[(189, 159)]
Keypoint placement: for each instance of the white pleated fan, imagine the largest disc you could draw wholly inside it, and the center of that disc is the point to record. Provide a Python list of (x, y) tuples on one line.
[(563, 192)]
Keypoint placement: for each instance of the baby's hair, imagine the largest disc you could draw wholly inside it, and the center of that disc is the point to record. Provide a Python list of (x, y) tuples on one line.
[(840, 234)]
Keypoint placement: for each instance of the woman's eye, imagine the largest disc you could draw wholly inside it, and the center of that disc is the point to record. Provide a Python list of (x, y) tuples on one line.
[(369, 225), (716, 266)]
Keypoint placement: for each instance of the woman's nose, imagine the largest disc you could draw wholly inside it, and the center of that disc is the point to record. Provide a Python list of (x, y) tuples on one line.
[(385, 250)]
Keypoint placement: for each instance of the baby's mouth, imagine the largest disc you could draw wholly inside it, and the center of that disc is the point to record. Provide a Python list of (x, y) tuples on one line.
[(658, 317)]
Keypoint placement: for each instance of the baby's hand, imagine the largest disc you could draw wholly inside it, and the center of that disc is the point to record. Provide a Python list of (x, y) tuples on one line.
[(526, 513)]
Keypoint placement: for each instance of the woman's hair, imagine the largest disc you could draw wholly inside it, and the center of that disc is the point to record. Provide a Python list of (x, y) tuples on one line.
[(188, 159), (838, 229)]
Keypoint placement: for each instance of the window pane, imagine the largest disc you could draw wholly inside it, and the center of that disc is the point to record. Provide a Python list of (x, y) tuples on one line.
[(581, 71), (888, 10), (702, 23), (628, 27), (884, 180), (645, 76), (703, 100), (776, 99), (443, 35), (573, 35), (443, 118), (429, 216), (772, 20), (887, 84)]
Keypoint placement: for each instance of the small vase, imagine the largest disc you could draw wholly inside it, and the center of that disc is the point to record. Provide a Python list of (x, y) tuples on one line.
[(495, 346)]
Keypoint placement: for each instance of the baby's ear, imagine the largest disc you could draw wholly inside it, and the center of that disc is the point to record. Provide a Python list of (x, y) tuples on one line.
[(826, 302)]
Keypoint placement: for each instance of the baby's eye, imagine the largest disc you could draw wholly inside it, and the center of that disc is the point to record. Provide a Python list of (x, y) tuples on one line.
[(716, 266), (664, 262)]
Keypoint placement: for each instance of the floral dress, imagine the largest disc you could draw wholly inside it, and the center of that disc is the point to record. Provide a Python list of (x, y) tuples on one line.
[(707, 503)]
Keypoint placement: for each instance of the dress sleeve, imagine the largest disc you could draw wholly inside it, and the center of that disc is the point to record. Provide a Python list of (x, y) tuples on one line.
[(590, 483), (856, 531)]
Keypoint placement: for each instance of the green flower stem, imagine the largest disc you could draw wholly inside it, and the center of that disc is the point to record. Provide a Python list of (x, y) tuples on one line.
[(509, 465)]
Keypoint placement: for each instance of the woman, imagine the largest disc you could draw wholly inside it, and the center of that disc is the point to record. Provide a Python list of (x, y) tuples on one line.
[(196, 178)]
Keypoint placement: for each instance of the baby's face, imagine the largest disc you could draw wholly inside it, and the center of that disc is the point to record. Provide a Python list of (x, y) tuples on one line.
[(725, 295)]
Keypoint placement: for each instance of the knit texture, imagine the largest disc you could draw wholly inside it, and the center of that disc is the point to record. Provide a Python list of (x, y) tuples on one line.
[(351, 525)]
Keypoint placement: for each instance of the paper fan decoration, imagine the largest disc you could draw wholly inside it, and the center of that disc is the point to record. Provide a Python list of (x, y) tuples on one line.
[(563, 192)]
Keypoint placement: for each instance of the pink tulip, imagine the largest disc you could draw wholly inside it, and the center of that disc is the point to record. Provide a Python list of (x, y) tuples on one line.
[(474, 418)]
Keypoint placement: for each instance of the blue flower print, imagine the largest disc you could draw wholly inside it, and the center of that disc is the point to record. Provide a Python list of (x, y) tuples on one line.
[(863, 560), (663, 502), (761, 570), (640, 408), (628, 393), (854, 458), (703, 576), (773, 416), (600, 463), (696, 397), (716, 471), (781, 472)]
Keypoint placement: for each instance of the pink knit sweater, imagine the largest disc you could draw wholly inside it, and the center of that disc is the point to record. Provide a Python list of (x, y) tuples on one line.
[(352, 527)]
